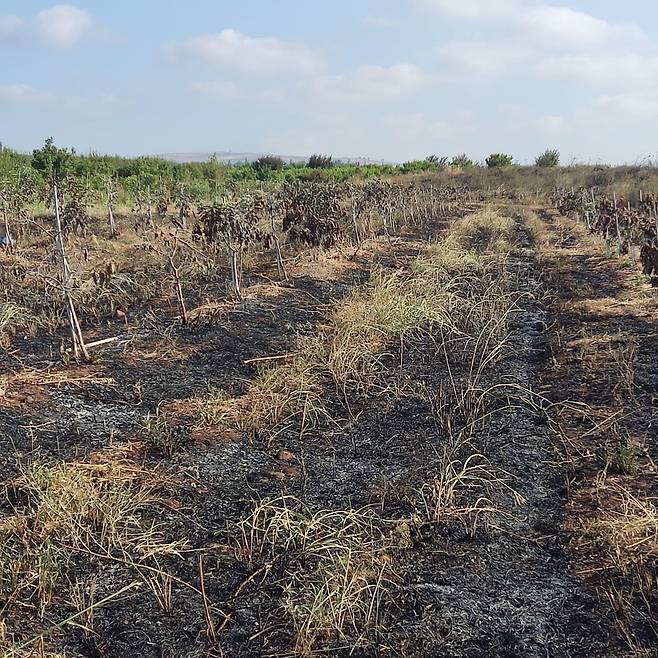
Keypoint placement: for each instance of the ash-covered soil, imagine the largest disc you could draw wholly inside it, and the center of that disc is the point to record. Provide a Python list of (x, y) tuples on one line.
[(508, 588)]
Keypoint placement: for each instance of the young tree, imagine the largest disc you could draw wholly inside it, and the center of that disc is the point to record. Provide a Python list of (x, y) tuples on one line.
[(274, 206), (499, 160), (314, 214), (16, 190), (51, 162), (317, 161), (462, 161), (234, 223), (67, 282), (549, 158), (111, 194), (184, 202), (73, 206)]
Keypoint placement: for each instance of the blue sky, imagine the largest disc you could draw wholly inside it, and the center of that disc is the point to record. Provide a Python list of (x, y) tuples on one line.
[(390, 79)]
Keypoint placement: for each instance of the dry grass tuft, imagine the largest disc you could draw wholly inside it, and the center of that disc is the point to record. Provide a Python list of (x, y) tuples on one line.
[(68, 509), (337, 574), (15, 319), (629, 529), (278, 397), (465, 491), (485, 231)]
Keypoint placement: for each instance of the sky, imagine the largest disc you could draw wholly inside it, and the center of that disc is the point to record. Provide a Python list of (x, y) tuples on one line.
[(384, 79)]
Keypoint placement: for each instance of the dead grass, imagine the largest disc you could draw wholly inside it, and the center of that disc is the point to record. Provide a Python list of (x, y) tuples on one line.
[(625, 536), (629, 528), (485, 231), (16, 319), (391, 309), (338, 575), (277, 397), (467, 491), (68, 509), (449, 292)]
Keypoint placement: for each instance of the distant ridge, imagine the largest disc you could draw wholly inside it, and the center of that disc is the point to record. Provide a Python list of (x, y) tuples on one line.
[(230, 157)]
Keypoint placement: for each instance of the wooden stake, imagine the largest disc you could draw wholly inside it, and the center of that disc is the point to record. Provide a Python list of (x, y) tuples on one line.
[(277, 245), (235, 272), (110, 212), (179, 286)]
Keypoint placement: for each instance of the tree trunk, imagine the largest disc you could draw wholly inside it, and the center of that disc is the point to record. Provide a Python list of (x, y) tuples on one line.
[(355, 224), (9, 238), (149, 209), (74, 325)]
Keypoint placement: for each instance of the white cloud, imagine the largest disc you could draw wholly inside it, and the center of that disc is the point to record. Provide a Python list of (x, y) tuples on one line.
[(416, 126), (551, 124), (483, 56), (263, 55), (369, 84), (380, 21), (601, 69), (638, 105), (21, 94), (10, 26), (550, 41), (574, 28), (471, 9), (219, 90), (27, 95), (63, 26), (531, 19)]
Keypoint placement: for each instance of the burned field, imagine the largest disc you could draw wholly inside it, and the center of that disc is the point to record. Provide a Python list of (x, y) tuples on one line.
[(422, 424)]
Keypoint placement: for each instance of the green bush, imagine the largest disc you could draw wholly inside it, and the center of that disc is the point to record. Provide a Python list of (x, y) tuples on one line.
[(414, 166), (499, 160), (269, 163), (462, 161), (50, 161), (440, 162), (317, 161), (549, 158)]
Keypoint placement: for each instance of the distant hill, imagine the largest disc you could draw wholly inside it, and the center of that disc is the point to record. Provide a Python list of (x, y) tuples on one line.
[(230, 157)]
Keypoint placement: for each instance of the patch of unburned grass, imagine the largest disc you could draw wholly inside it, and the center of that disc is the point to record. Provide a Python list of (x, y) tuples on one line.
[(629, 529), (281, 395), (457, 288), (625, 537), (15, 319), (448, 259), (69, 509), (337, 573), (391, 308), (485, 231), (466, 491), (277, 396)]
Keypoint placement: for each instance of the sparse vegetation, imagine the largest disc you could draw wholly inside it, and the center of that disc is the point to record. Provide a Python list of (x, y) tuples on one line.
[(462, 161), (338, 576), (499, 160), (549, 158), (320, 162), (321, 402)]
